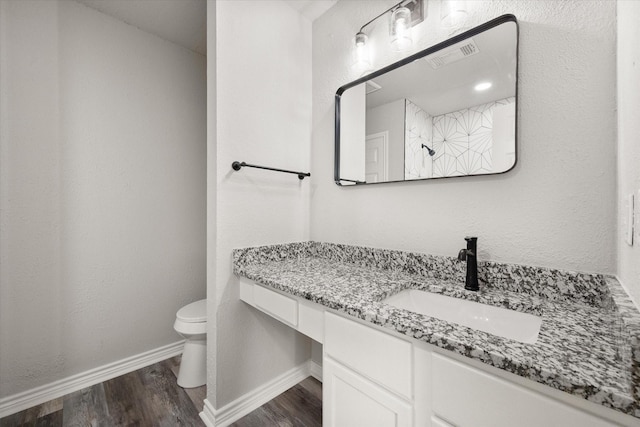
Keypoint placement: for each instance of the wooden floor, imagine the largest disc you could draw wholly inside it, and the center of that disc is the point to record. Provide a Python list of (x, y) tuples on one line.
[(300, 406), (151, 397)]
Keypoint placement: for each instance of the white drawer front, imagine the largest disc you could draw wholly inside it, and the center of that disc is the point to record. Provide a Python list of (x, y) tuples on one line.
[(377, 355), (468, 397), (246, 291), (277, 305), (311, 320)]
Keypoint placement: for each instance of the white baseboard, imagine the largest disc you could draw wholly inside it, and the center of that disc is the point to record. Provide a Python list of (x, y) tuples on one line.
[(208, 414), (36, 396), (251, 401), (315, 370)]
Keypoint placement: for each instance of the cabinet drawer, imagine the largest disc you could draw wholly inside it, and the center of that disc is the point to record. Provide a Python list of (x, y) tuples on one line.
[(277, 305), (375, 354), (311, 320), (465, 396)]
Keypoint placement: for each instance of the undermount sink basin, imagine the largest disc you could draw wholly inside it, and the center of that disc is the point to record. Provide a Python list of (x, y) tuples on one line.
[(506, 323)]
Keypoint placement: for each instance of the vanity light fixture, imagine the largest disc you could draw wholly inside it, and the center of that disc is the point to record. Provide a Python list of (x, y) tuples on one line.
[(362, 56), (400, 29), (483, 86), (403, 16), (453, 14)]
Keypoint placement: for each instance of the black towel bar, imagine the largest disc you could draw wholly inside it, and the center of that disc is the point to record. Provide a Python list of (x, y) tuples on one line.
[(239, 165)]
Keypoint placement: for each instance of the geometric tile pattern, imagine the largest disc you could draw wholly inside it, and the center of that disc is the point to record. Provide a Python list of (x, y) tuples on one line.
[(463, 140)]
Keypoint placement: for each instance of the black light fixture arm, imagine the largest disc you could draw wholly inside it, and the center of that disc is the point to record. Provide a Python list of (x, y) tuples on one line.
[(236, 166), (386, 11)]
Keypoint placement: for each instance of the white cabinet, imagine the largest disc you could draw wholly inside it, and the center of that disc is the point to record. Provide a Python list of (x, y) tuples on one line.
[(467, 397), (437, 422), (367, 376), (311, 320), (302, 315), (374, 354), (350, 400), (374, 377)]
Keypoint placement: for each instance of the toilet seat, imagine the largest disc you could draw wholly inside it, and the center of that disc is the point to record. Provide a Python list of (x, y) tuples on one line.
[(191, 323), (193, 313), (196, 330)]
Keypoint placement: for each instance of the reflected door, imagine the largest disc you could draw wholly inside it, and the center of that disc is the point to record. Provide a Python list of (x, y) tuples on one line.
[(377, 157)]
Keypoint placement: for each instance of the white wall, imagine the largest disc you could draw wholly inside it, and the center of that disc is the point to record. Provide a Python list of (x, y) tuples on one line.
[(263, 115), (212, 192), (629, 138), (102, 190), (555, 209)]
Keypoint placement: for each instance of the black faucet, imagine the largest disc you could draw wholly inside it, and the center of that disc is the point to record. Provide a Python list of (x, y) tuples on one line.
[(470, 255)]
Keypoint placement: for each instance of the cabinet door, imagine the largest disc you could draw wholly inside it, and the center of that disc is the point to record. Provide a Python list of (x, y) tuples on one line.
[(437, 422), (350, 400)]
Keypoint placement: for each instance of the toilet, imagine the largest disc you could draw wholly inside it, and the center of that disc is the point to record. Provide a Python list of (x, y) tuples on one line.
[(191, 323)]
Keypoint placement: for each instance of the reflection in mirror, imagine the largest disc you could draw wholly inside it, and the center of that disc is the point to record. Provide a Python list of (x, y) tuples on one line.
[(447, 111)]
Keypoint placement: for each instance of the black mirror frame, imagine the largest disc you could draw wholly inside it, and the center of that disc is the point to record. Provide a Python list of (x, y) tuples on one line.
[(428, 51)]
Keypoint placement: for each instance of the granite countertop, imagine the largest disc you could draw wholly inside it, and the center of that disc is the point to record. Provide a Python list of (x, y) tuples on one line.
[(589, 339)]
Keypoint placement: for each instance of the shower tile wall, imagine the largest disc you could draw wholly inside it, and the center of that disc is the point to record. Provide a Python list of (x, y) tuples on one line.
[(461, 140)]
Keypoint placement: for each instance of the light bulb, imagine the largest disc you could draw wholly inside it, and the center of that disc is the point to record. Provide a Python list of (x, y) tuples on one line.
[(482, 86), (400, 29), (362, 57), (453, 13)]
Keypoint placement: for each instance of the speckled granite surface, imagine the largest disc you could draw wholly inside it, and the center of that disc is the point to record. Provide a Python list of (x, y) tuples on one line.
[(589, 342)]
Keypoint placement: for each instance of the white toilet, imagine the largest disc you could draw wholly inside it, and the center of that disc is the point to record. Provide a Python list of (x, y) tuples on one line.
[(191, 323)]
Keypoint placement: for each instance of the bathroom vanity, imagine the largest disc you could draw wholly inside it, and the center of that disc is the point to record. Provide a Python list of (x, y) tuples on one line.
[(389, 366)]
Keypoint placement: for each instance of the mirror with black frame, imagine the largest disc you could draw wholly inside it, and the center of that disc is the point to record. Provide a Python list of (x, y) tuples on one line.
[(447, 111)]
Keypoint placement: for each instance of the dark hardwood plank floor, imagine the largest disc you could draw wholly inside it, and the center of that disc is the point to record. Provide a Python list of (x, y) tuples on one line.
[(151, 397), (300, 406), (147, 397)]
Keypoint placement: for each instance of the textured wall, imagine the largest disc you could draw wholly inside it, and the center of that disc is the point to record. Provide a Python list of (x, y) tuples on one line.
[(555, 209), (212, 194), (263, 116), (629, 138), (103, 190)]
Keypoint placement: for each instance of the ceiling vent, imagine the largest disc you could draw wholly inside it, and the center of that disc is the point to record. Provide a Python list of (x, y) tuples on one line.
[(453, 54)]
